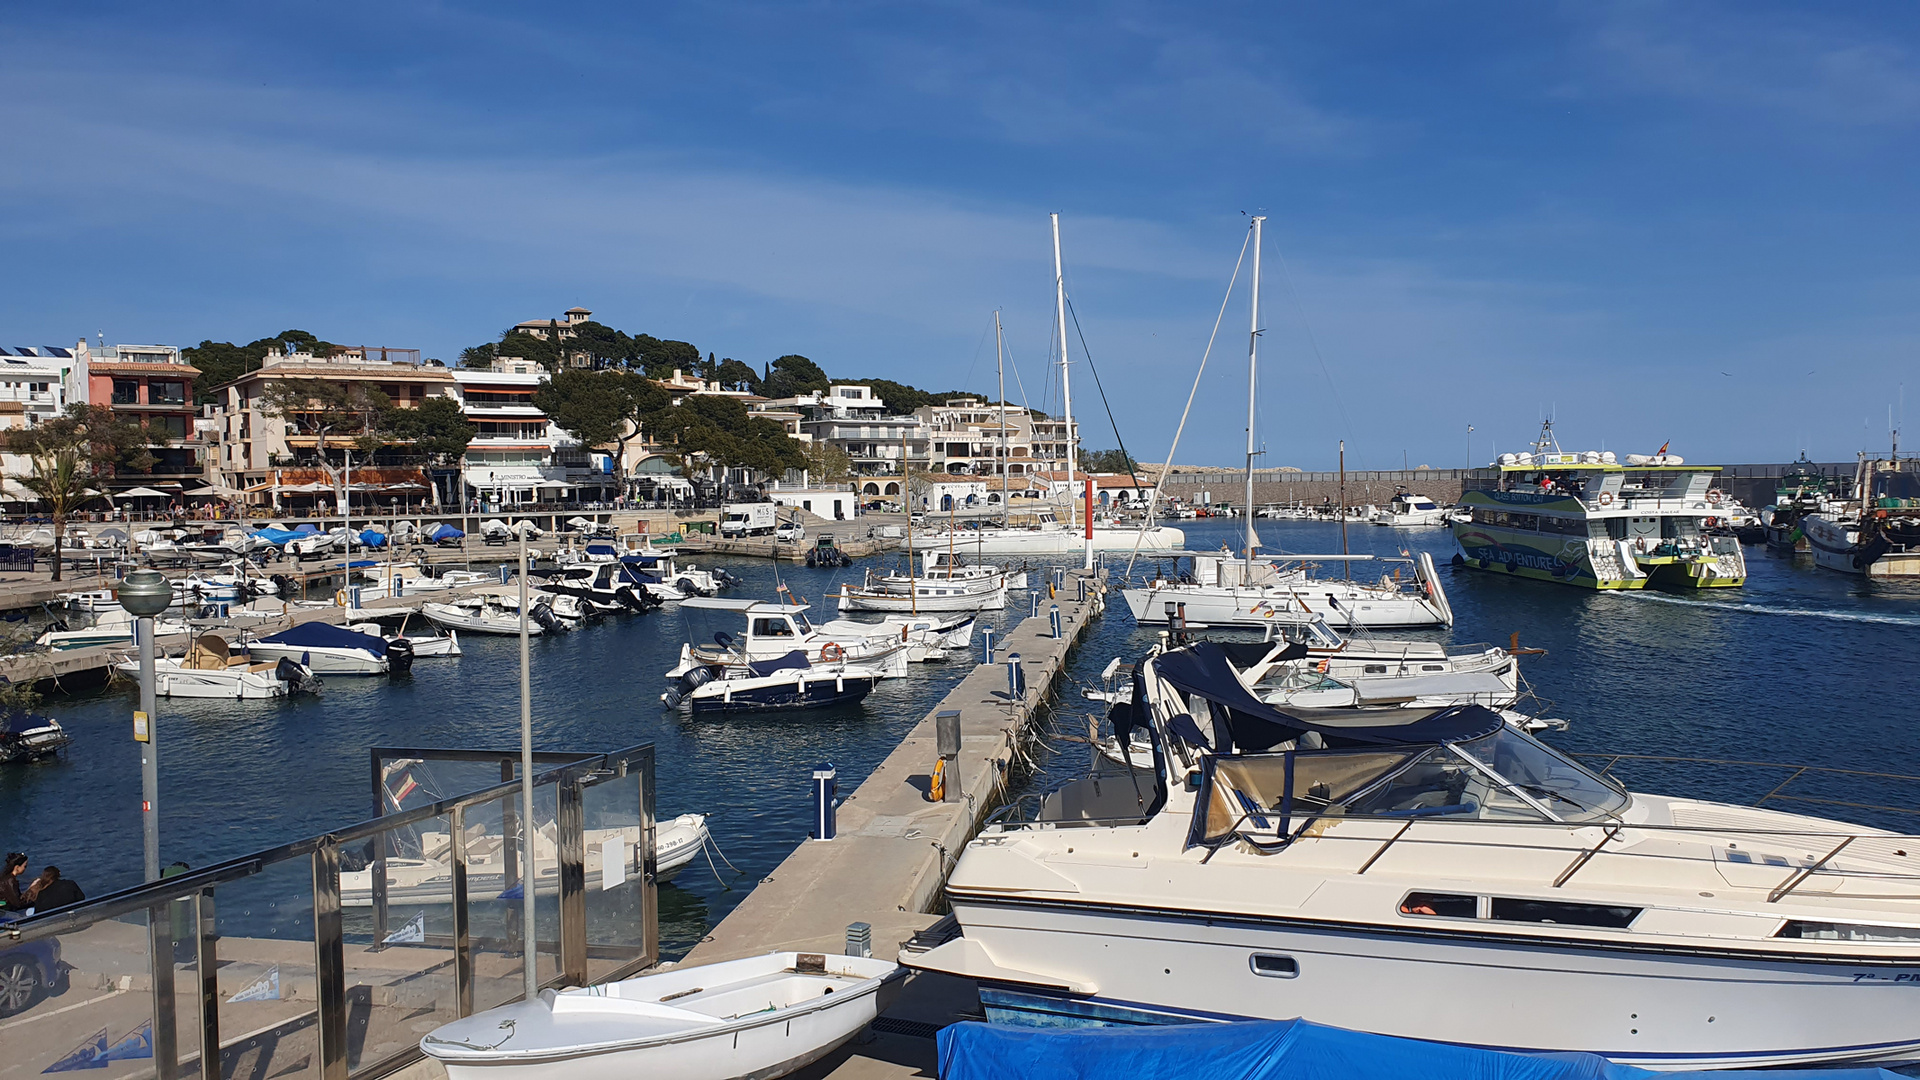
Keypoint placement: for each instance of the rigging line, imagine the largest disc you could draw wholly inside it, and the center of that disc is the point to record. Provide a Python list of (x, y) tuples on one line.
[(1313, 343), (1153, 497), (977, 348), (1132, 470)]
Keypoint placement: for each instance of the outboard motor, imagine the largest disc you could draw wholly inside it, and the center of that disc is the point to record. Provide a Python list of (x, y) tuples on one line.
[(630, 599), (689, 682), (399, 656), (296, 675), (542, 613)]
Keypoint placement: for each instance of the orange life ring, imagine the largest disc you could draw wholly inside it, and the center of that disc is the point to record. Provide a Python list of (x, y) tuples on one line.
[(1606, 498), (937, 786), (1321, 667), (831, 652), (1714, 496)]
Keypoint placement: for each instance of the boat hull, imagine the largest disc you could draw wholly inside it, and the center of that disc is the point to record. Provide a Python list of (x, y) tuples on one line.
[(1226, 606), (1655, 1008), (322, 661), (1588, 564), (727, 696)]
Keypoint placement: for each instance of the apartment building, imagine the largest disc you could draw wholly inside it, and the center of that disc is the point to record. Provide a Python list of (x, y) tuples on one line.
[(964, 437), (151, 386), (251, 448), (852, 419), (518, 455)]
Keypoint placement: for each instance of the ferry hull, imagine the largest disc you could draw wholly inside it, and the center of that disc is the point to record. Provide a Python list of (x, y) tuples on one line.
[(1655, 1008), (1572, 561)]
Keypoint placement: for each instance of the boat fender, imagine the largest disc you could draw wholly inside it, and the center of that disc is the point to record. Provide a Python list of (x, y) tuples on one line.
[(723, 639), (399, 656), (1606, 498), (831, 652)]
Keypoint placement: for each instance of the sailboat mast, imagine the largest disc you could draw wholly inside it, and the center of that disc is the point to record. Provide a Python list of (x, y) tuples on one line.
[(1066, 388), (1000, 366), (1253, 385)]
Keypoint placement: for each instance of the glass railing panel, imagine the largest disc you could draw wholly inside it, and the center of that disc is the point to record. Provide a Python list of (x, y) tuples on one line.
[(398, 948), (616, 892), (493, 901), (81, 1000), (266, 985)]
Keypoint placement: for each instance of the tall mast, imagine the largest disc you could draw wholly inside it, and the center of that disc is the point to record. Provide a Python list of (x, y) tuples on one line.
[(1000, 366), (1066, 389), (1253, 384)]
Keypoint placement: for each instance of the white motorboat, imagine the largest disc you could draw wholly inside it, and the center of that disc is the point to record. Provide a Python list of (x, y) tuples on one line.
[(1217, 588), (111, 626), (335, 650), (426, 878), (211, 670), (914, 595), (313, 545), (926, 637), (947, 565), (41, 736), (666, 579), (758, 1017), (608, 586), (789, 682), (1273, 866), (1407, 510), (488, 616), (424, 645), (772, 630)]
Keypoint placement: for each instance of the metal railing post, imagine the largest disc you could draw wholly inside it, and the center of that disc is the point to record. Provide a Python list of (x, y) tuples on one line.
[(166, 1039), (462, 928), (650, 864), (569, 831), (208, 962), (329, 962)]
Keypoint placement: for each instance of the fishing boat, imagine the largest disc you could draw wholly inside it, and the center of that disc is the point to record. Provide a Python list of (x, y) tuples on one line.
[(1877, 533), (1590, 520), (424, 645), (1803, 489), (1275, 865), (769, 631), (1218, 588), (210, 669), (334, 650), (1407, 510), (758, 1017), (916, 594)]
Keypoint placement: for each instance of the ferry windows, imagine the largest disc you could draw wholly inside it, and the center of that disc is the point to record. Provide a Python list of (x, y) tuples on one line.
[(1274, 966), (1824, 931), (1513, 909), (1441, 905)]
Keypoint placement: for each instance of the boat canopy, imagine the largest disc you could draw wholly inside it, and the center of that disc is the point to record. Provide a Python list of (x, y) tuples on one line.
[(320, 635), (795, 659), (757, 607), (1206, 670), (1271, 1050)]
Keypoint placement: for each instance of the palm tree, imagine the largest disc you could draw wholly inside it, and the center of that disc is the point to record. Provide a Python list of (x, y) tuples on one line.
[(61, 480)]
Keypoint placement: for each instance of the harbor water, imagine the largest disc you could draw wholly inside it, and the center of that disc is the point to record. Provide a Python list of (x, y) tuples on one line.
[(1801, 665)]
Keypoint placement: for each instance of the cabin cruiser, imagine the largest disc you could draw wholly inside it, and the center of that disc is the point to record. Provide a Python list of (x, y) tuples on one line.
[(771, 631), (926, 637), (793, 681), (1293, 863), (335, 650), (1406, 510), (892, 593), (210, 669), (1216, 588), (1592, 520)]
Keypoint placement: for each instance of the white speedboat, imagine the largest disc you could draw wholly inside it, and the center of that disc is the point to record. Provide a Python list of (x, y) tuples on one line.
[(424, 645), (789, 682), (38, 737), (608, 586), (667, 579), (903, 595), (212, 670), (334, 650), (926, 637), (1271, 866), (426, 877), (1217, 588), (760, 1017), (111, 626), (770, 631), (479, 616), (1407, 510)]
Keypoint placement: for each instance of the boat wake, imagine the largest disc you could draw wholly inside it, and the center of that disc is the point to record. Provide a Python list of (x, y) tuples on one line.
[(1764, 609)]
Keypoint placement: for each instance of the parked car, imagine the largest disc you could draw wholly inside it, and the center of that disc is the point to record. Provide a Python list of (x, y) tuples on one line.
[(27, 971), (790, 531)]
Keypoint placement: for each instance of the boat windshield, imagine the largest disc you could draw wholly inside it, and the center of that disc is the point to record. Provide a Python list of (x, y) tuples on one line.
[(1542, 776)]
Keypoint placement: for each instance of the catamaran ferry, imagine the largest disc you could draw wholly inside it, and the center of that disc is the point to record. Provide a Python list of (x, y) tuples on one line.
[(1588, 519)]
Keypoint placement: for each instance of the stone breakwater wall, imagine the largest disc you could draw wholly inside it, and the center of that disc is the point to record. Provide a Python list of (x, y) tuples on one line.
[(1441, 485)]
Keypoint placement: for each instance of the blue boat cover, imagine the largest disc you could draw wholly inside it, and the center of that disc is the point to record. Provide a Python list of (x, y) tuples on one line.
[(444, 531), (1206, 669), (319, 635), (600, 549), (306, 528), (794, 659), (373, 539), (1277, 1050), (277, 536)]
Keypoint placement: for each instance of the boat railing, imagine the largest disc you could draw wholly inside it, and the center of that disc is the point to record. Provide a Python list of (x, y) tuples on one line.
[(331, 953)]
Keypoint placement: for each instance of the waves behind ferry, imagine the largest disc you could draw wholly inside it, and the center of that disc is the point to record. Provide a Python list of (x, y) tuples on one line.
[(1769, 609)]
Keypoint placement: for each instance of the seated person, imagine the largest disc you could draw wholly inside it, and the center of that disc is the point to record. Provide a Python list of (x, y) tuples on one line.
[(50, 891)]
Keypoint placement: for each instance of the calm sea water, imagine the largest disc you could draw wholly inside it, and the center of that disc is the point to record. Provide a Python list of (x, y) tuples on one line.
[(1801, 665)]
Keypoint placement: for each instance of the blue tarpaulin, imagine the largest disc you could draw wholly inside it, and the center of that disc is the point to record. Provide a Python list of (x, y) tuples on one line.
[(373, 539), (1275, 1050), (277, 536), (444, 531), (319, 635)]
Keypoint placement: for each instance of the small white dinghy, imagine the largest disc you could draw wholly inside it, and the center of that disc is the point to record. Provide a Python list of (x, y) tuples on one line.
[(760, 1017)]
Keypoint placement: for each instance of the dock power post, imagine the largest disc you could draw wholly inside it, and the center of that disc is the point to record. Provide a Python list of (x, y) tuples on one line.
[(946, 727)]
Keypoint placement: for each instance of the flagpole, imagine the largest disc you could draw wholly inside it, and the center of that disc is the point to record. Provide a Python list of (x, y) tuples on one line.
[(526, 791)]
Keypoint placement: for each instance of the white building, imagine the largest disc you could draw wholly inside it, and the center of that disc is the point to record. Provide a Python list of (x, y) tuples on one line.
[(830, 503), (964, 438), (518, 455), (854, 420)]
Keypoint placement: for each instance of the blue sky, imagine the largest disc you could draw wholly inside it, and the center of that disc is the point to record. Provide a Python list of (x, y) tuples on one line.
[(1484, 213)]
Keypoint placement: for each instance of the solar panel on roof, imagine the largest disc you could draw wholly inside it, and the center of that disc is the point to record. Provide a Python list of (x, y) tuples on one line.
[(55, 350), (3, 351), (23, 350)]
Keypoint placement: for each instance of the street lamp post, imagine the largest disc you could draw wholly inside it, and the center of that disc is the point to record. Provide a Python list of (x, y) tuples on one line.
[(145, 594)]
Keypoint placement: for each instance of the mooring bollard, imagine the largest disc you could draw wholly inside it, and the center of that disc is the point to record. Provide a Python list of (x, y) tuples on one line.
[(824, 789), (1034, 606), (1053, 617), (946, 730), (987, 637), (1016, 678), (506, 574), (353, 597), (859, 939), (1083, 589)]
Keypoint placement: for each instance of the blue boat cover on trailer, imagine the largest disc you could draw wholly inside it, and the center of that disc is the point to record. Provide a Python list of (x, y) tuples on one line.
[(277, 536), (1205, 669), (373, 539), (319, 635), (1277, 1050), (444, 531)]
